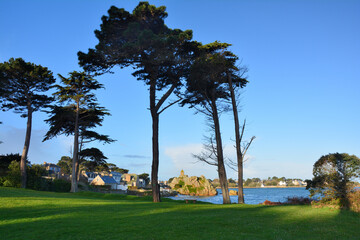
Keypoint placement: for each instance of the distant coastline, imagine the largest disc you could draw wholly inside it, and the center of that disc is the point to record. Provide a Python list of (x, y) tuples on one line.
[(270, 187)]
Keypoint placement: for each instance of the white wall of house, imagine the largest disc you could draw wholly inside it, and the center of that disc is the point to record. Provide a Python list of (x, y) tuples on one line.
[(282, 183), (121, 187)]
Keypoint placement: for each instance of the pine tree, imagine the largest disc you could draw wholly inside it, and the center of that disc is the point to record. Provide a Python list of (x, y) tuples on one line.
[(159, 54), (81, 111), (21, 85)]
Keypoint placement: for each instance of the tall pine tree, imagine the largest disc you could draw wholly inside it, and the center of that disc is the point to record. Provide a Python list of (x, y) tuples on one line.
[(159, 54), (77, 91)]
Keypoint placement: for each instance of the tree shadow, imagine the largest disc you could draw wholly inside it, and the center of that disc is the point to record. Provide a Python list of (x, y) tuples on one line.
[(88, 218)]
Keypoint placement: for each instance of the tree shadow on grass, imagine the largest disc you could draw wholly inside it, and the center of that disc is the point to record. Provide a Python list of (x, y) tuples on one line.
[(89, 219)]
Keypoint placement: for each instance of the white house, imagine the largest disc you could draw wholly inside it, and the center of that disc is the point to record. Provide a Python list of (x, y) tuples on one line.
[(282, 183)]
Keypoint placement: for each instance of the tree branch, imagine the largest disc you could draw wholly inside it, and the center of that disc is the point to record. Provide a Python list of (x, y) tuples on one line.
[(164, 97), (170, 105)]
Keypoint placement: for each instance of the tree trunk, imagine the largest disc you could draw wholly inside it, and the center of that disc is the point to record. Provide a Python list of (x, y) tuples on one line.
[(74, 186), (26, 147), (77, 167), (239, 155), (220, 155), (155, 144)]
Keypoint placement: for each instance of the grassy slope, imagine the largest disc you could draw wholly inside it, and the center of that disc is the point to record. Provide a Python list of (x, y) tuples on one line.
[(26, 214)]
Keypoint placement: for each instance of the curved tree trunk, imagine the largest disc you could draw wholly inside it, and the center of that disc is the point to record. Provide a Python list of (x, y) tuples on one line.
[(74, 186), (239, 155), (26, 147), (220, 155)]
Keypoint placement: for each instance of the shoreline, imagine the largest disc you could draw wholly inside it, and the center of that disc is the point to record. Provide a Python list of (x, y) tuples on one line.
[(269, 187)]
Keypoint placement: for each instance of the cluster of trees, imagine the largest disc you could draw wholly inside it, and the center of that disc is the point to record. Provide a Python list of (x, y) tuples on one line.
[(73, 108), (270, 181), (204, 77), (257, 182), (10, 175)]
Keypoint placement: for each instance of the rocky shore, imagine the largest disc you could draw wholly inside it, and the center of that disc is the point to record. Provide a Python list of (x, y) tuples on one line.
[(193, 186)]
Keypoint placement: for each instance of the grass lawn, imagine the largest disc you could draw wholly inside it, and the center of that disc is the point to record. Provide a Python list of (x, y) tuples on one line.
[(27, 214)]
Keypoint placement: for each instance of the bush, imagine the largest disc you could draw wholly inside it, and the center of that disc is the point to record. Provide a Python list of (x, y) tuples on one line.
[(34, 179), (298, 201), (102, 187), (7, 183), (327, 202), (354, 199), (13, 177), (60, 185), (2, 180)]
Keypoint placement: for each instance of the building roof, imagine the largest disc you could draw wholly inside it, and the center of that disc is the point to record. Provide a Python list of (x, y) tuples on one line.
[(116, 174), (108, 180), (89, 173)]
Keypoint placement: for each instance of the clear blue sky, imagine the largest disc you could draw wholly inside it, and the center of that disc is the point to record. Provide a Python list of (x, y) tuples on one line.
[(302, 100)]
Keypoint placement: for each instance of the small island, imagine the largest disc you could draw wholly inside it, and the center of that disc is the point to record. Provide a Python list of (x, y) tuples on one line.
[(193, 186)]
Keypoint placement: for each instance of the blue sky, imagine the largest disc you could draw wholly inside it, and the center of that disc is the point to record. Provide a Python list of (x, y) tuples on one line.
[(302, 100)]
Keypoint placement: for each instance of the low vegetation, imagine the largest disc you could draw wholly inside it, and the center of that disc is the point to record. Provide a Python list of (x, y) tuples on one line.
[(28, 214)]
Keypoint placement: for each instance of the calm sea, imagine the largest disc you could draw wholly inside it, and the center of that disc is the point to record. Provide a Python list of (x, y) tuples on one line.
[(254, 195)]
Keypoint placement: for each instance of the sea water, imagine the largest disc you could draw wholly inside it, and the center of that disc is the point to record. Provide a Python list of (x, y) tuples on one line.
[(253, 195)]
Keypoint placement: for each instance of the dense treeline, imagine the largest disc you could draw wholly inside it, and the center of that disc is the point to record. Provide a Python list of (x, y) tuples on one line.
[(257, 182)]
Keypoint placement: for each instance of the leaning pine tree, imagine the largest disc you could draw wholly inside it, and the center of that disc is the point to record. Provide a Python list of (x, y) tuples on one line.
[(21, 85), (232, 78), (206, 93), (76, 90)]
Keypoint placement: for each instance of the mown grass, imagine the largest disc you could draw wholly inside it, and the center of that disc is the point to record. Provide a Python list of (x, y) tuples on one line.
[(27, 214)]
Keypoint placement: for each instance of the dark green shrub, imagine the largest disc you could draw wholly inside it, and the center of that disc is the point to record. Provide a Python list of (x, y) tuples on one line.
[(102, 187), (13, 177), (60, 185), (2, 180), (191, 189)]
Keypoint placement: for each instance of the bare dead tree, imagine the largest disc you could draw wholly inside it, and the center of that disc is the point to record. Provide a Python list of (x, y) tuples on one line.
[(241, 149)]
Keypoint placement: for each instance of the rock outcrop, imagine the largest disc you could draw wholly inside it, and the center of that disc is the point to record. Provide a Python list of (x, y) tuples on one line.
[(194, 186), (233, 193)]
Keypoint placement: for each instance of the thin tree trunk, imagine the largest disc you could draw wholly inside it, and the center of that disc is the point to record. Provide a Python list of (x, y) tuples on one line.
[(74, 186), (26, 147), (220, 155), (78, 161), (155, 144), (77, 166), (239, 155)]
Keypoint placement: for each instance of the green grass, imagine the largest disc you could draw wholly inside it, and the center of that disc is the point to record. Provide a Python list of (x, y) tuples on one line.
[(27, 214)]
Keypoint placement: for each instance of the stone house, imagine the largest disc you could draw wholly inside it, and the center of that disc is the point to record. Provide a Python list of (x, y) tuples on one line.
[(90, 176), (133, 180), (104, 181)]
